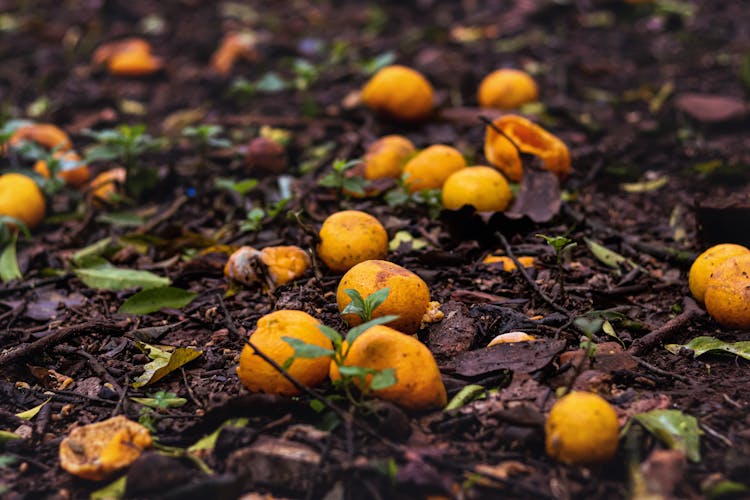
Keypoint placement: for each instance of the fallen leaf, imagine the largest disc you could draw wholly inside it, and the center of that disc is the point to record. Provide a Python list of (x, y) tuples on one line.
[(154, 299), (32, 412), (675, 429), (522, 357), (538, 197), (702, 345), (710, 108), (164, 362), (114, 278), (9, 269)]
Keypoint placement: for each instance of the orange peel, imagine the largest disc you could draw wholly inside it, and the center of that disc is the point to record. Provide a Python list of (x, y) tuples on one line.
[(71, 171)]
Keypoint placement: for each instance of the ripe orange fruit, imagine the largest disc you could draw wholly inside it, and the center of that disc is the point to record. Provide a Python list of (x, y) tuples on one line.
[(728, 292), (408, 297), (400, 93), (582, 428), (484, 188), (430, 168), (507, 263), (507, 89), (106, 185), (21, 198), (44, 134), (530, 139), (259, 376), (350, 237), (98, 450), (419, 386), (707, 262), (385, 157), (71, 171), (129, 57)]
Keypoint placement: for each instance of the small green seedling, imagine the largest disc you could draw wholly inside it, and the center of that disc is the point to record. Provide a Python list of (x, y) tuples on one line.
[(343, 183), (205, 137), (562, 247), (354, 379), (364, 307)]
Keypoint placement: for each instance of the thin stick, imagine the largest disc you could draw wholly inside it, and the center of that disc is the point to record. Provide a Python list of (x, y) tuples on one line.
[(659, 371), (649, 341), (532, 284)]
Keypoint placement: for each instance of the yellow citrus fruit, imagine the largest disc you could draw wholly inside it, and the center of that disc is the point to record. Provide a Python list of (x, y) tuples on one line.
[(107, 185), (71, 171), (98, 450), (484, 188), (350, 237), (507, 89), (400, 93), (530, 139), (507, 338), (418, 387), (21, 198), (44, 134), (385, 157), (728, 292), (430, 168), (507, 263), (259, 376), (282, 264), (408, 295), (705, 264), (134, 63), (582, 428)]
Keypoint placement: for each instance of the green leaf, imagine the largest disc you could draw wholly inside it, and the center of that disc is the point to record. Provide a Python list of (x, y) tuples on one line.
[(675, 429), (154, 299), (558, 243), (383, 379), (371, 66), (31, 413), (357, 305), (162, 399), (95, 249), (702, 345), (121, 219), (588, 326), (240, 187), (113, 491), (356, 372), (645, 186), (271, 82), (304, 350), (355, 332), (9, 269), (745, 72), (8, 436), (114, 278), (332, 335), (208, 442), (723, 488), (605, 255), (405, 238), (163, 362), (374, 300), (466, 395)]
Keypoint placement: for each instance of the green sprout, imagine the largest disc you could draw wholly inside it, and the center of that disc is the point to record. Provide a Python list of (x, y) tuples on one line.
[(338, 179), (562, 247), (204, 137), (354, 379)]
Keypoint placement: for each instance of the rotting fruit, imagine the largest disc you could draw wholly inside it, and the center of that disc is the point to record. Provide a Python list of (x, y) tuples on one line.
[(71, 171), (707, 262), (531, 139), (44, 134), (507, 89), (581, 429), (728, 292), (418, 386), (385, 157), (259, 376), (399, 92), (511, 337), (21, 198), (484, 188), (233, 46), (430, 168), (107, 186), (98, 450), (408, 295), (281, 264), (350, 237)]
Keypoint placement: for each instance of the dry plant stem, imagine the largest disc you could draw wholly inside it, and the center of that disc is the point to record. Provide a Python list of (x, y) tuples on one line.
[(96, 366), (163, 216), (59, 335), (649, 341), (659, 371), (30, 285), (190, 392), (532, 284)]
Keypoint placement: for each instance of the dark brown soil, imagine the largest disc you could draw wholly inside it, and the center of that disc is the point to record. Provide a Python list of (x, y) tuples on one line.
[(616, 82)]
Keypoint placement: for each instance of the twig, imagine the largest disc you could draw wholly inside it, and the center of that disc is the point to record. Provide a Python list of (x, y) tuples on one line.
[(163, 216), (29, 285), (57, 337), (532, 284), (95, 365), (647, 342), (190, 392), (121, 401), (659, 371)]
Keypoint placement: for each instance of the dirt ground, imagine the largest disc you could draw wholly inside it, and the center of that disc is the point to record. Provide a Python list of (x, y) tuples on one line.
[(650, 97)]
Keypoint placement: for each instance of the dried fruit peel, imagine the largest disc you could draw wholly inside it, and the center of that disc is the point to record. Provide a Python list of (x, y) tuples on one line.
[(96, 451), (280, 264), (71, 171), (44, 134)]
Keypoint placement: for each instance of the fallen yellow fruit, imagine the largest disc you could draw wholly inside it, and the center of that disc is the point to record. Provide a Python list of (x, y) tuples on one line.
[(22, 199), (400, 93), (707, 262), (728, 292), (350, 237)]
